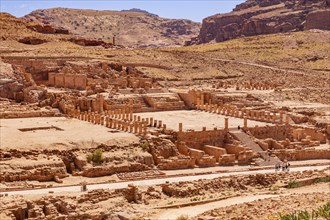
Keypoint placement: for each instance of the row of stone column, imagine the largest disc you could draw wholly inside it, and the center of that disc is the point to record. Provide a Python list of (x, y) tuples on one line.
[(204, 128), (250, 86), (125, 113), (135, 127), (256, 115), (120, 120), (258, 86)]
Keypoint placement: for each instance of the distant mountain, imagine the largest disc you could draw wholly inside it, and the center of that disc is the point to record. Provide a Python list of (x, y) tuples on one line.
[(141, 11), (256, 17), (132, 28)]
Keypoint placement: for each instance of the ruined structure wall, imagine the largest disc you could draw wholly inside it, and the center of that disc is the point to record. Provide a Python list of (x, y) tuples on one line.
[(276, 132), (188, 98), (167, 104), (197, 139), (234, 149), (304, 154), (315, 135), (71, 81)]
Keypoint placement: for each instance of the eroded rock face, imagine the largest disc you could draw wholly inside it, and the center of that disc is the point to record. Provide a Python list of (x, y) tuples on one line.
[(256, 17), (47, 29), (318, 20)]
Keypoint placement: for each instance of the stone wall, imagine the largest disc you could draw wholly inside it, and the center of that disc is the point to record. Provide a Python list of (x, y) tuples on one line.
[(313, 134), (165, 102), (278, 132), (71, 81), (198, 139), (304, 154)]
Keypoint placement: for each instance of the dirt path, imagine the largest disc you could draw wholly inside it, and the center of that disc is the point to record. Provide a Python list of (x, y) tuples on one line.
[(260, 66), (192, 211)]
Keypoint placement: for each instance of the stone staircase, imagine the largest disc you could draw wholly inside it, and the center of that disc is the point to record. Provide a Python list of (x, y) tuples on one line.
[(144, 105), (248, 142)]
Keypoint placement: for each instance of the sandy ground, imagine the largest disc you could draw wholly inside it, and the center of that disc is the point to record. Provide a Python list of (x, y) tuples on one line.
[(72, 133), (193, 119)]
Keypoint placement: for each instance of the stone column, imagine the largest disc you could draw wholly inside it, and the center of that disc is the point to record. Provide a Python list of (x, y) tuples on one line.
[(102, 120), (89, 117), (140, 128), (236, 114), (226, 123), (101, 103), (123, 112), (219, 110), (110, 123), (268, 117), (93, 118), (245, 122), (197, 103), (281, 116), (247, 111), (98, 119), (114, 123), (94, 105), (135, 127), (107, 121), (131, 126), (206, 107), (258, 115), (119, 113), (160, 124), (287, 119), (151, 122), (145, 128), (202, 101), (252, 114), (180, 127)]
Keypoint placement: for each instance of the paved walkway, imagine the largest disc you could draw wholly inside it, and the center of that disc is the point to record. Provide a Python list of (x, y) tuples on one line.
[(150, 182)]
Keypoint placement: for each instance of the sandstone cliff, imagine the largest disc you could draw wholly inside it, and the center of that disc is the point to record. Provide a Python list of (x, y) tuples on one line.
[(257, 17), (130, 28)]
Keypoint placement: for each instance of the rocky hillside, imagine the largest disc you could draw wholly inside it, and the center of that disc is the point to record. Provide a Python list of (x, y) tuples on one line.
[(132, 28), (257, 17)]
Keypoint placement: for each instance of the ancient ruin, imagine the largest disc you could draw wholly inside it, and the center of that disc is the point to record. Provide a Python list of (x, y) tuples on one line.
[(94, 130)]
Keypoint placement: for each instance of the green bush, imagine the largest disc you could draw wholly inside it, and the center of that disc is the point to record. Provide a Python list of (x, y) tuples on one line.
[(325, 179), (321, 213), (324, 211), (292, 184), (182, 217), (96, 157), (145, 146)]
